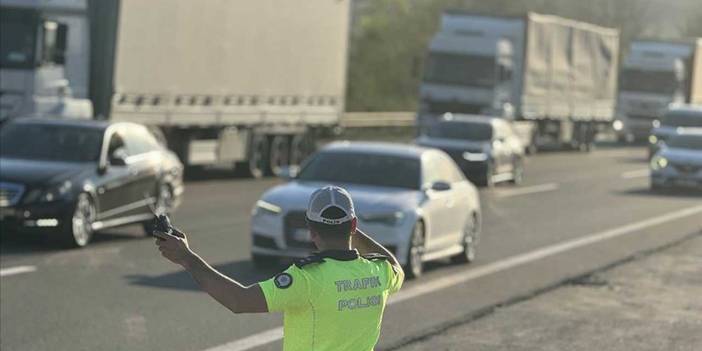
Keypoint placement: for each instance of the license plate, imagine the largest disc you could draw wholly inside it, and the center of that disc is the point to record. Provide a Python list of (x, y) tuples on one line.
[(301, 234), (6, 212)]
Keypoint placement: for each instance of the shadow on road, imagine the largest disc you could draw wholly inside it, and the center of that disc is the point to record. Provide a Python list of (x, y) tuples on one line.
[(673, 193), (18, 244), (633, 160), (243, 271)]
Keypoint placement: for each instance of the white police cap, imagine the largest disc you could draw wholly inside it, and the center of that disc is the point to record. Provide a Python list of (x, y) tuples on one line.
[(326, 197)]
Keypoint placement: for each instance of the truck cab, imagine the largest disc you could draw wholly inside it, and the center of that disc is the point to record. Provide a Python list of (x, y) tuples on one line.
[(34, 52), (468, 75), (652, 78)]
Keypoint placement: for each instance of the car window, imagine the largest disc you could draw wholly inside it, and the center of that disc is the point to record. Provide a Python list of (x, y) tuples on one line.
[(362, 168), (477, 131), (139, 140), (50, 142), (116, 142)]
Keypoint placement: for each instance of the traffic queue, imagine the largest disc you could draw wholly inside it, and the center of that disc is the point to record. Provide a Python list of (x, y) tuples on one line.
[(420, 201)]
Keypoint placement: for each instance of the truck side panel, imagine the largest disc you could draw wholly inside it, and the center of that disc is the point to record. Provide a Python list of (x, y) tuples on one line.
[(223, 62), (570, 70), (696, 74)]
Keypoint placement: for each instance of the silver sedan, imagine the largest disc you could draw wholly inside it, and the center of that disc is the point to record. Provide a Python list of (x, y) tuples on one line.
[(412, 199)]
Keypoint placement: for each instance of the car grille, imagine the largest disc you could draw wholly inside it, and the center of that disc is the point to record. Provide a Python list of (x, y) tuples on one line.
[(687, 169), (294, 221), (10, 193)]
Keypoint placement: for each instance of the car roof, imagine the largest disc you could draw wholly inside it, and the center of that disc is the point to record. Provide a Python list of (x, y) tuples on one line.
[(73, 122), (693, 131), (377, 148)]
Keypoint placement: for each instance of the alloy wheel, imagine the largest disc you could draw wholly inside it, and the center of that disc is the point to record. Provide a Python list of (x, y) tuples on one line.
[(82, 221)]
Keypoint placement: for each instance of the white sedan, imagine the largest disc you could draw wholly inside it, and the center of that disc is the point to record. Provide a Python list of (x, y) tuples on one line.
[(413, 200)]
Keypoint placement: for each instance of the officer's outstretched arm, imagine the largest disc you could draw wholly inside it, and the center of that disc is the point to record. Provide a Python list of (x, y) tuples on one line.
[(365, 244), (230, 293)]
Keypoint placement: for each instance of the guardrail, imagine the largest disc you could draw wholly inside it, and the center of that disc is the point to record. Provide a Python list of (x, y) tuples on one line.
[(377, 119)]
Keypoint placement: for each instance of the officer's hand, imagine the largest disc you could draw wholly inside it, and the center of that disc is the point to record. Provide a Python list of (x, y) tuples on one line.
[(173, 246)]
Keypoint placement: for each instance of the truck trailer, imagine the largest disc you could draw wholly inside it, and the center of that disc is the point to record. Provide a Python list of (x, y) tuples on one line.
[(654, 75), (555, 78), (246, 83)]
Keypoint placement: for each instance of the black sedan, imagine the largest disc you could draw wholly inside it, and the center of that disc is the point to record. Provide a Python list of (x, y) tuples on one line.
[(486, 149), (67, 179)]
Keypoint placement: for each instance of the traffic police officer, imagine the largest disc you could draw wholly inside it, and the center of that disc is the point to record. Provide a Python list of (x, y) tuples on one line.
[(332, 300)]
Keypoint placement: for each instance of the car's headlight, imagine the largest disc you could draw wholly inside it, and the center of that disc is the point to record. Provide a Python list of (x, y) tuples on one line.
[(387, 218), (263, 207), (659, 162), (618, 125), (50, 194), (475, 156)]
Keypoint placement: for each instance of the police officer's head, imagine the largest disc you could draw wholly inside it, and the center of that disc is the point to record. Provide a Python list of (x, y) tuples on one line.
[(331, 217)]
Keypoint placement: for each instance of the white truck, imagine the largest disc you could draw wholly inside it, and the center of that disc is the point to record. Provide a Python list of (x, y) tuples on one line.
[(654, 75), (555, 78), (247, 83)]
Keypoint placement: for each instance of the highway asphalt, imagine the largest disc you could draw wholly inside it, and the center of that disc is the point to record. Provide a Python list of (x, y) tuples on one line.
[(575, 212)]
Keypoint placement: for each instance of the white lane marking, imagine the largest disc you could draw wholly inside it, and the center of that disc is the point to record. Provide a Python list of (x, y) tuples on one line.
[(16, 270), (527, 190), (435, 285), (639, 173)]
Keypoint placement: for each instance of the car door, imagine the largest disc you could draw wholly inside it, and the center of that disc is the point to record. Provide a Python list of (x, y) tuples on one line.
[(144, 166), (460, 203), (438, 204), (113, 186)]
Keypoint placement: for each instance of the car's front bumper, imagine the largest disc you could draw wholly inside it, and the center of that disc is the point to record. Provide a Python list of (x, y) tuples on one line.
[(283, 236), (674, 176), (40, 218)]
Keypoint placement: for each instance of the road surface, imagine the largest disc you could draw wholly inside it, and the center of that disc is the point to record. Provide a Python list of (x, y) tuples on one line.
[(573, 214)]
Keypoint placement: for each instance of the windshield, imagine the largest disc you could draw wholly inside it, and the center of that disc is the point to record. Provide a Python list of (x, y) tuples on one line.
[(662, 82), (363, 168), (693, 142), (681, 119), (17, 38), (461, 131), (50, 142), (478, 71)]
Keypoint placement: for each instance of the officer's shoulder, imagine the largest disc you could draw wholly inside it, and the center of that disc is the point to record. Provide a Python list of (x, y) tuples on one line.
[(308, 261), (375, 257)]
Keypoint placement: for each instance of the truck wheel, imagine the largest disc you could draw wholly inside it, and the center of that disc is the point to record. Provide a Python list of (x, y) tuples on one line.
[(300, 148), (280, 154), (258, 156)]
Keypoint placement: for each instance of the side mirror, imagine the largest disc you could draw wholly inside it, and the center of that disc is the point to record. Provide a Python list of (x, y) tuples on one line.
[(118, 158), (289, 172), (441, 186)]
